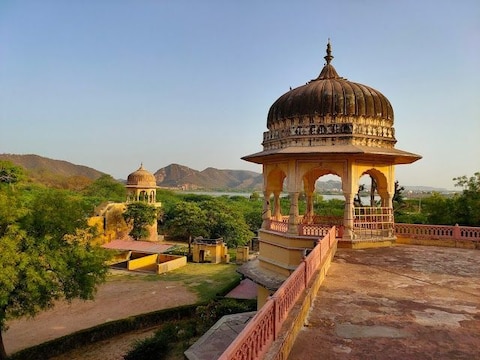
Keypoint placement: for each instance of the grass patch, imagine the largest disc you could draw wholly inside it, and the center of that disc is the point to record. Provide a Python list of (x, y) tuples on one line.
[(205, 280)]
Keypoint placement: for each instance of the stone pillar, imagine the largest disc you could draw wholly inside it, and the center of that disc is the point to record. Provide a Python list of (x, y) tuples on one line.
[(293, 219), (309, 213), (276, 206), (267, 212), (348, 216)]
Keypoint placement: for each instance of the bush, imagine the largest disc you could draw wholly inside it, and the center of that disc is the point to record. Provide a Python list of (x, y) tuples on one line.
[(155, 347), (158, 346)]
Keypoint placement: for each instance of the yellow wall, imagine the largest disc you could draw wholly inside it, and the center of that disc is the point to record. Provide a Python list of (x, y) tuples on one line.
[(215, 253), (262, 295), (142, 262), (465, 244), (282, 252), (242, 254), (170, 262)]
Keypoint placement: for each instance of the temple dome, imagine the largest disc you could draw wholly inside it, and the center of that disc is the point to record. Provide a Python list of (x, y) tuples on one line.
[(330, 95), (141, 178)]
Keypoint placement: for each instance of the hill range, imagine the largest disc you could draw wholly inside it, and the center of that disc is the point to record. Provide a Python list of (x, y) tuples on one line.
[(173, 176)]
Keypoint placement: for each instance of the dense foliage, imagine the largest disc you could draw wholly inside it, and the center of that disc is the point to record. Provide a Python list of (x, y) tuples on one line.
[(180, 333), (47, 249), (106, 188), (461, 208), (140, 215), (235, 219)]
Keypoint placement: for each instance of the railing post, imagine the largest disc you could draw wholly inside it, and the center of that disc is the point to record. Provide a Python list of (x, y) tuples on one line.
[(276, 316), (456, 232), (305, 272)]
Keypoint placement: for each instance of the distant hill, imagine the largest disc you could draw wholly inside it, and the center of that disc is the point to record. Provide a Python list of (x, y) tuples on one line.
[(183, 177), (54, 173), (63, 174)]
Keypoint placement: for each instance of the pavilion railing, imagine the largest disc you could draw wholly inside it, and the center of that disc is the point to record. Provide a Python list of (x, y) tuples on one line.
[(440, 232), (255, 339)]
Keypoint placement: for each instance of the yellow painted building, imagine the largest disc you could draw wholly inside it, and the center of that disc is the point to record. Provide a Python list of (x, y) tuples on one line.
[(108, 218), (213, 251)]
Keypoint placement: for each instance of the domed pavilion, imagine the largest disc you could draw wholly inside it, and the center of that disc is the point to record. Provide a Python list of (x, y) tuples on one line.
[(329, 126), (141, 186)]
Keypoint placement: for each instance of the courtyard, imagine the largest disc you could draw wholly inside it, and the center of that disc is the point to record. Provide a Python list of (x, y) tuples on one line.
[(402, 302)]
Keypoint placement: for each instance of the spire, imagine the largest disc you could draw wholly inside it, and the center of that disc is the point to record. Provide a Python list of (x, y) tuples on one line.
[(328, 71), (329, 56)]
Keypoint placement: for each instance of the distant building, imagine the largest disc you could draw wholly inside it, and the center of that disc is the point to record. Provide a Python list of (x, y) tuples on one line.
[(213, 251), (141, 186)]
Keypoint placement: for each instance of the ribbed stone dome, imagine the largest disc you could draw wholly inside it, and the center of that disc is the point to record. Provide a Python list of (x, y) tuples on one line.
[(330, 111), (330, 95), (141, 178)]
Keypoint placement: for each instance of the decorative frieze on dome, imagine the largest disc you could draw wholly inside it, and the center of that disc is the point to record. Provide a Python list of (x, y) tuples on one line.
[(338, 131)]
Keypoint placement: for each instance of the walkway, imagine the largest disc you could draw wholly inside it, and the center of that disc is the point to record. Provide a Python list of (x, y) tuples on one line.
[(406, 302)]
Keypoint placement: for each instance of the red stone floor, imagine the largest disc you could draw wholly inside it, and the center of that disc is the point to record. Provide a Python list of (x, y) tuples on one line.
[(404, 302)]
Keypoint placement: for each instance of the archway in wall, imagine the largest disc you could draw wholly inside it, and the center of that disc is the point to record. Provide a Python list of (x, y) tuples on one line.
[(373, 212), (367, 193), (324, 201)]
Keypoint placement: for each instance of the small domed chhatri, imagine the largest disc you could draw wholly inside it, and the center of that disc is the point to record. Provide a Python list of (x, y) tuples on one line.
[(141, 177), (141, 186)]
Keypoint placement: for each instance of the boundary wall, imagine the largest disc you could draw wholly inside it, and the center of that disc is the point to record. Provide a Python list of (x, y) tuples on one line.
[(262, 333)]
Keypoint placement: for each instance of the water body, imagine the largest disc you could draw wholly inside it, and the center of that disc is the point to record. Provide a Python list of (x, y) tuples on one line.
[(326, 197)]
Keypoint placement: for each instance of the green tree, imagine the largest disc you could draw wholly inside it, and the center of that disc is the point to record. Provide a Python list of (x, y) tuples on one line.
[(226, 221), (40, 266), (140, 215), (467, 204), (439, 209), (55, 213), (106, 188), (186, 220), (10, 173)]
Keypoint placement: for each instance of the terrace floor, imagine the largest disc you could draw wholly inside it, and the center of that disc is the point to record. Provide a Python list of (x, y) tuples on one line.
[(403, 302)]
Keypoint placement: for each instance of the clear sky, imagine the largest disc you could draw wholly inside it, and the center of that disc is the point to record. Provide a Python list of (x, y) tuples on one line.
[(113, 83)]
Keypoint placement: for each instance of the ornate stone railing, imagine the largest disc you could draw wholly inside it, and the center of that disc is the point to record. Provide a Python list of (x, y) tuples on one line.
[(314, 230), (278, 226), (434, 232), (255, 339)]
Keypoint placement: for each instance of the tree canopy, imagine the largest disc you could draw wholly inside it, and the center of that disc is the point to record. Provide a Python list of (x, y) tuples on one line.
[(140, 215), (10, 173), (106, 188), (47, 253)]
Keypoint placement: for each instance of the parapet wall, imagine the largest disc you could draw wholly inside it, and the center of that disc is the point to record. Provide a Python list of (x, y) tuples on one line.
[(438, 235)]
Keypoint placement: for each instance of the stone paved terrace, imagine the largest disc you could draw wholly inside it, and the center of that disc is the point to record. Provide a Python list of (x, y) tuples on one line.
[(403, 302)]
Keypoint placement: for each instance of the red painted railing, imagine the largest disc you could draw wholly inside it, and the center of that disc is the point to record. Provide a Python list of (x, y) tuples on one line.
[(314, 230), (278, 226), (434, 232), (255, 339)]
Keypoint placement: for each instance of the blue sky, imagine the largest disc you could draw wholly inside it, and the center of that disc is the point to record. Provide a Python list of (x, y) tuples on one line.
[(111, 84)]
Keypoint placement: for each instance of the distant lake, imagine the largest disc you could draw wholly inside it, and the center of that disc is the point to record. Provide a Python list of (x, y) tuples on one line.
[(365, 199)]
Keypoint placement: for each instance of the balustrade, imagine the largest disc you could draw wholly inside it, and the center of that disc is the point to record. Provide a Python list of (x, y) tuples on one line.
[(254, 340), (434, 232), (263, 328)]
